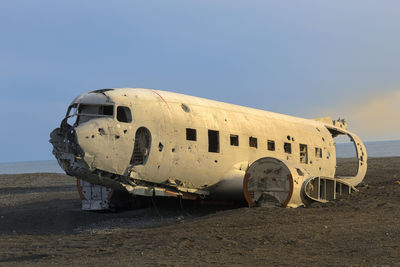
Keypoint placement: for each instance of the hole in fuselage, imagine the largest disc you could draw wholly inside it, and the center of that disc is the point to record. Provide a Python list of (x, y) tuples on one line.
[(346, 156), (142, 146), (185, 108)]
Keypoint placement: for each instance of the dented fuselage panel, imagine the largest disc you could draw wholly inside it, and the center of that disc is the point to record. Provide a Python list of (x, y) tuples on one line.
[(178, 145)]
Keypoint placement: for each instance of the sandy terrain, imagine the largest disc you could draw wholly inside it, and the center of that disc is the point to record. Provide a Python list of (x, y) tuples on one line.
[(41, 224)]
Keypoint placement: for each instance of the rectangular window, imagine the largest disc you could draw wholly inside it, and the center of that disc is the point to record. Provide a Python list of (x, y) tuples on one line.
[(271, 145), (287, 147), (107, 110), (253, 141), (213, 141), (191, 134), (124, 114), (303, 154), (234, 140), (96, 110), (318, 152), (87, 112)]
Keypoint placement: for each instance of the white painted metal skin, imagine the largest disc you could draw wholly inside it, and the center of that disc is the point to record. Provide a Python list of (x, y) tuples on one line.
[(172, 161), (94, 197)]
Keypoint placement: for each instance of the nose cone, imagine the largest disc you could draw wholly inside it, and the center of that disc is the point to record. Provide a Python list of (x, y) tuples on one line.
[(105, 145), (66, 149)]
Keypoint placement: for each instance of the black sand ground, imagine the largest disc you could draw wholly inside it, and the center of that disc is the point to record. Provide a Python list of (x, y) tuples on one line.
[(41, 224)]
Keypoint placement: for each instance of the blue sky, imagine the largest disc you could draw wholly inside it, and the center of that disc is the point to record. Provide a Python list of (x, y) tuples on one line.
[(303, 58)]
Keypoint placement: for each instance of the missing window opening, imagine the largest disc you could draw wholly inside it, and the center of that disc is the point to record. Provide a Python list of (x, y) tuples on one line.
[(253, 141), (124, 114), (234, 140), (287, 147), (213, 141), (191, 134), (303, 153), (318, 152), (271, 145)]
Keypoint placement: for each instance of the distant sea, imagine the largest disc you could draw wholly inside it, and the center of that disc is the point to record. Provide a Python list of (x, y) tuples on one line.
[(30, 167), (343, 150), (374, 149)]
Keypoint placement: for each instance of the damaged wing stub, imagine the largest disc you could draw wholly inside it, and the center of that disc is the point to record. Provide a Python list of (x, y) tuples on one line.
[(155, 143)]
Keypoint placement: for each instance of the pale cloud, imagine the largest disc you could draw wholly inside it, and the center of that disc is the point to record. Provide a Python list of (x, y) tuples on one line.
[(372, 117)]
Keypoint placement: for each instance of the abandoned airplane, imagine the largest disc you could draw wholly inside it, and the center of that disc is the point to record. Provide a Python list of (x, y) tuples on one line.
[(163, 144)]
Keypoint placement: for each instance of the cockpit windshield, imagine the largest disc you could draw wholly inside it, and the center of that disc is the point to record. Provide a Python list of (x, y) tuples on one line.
[(86, 112)]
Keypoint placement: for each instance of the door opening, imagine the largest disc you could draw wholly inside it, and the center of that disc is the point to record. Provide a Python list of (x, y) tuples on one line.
[(142, 147)]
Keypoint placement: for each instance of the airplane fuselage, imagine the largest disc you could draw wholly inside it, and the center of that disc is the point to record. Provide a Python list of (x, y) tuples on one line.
[(127, 137)]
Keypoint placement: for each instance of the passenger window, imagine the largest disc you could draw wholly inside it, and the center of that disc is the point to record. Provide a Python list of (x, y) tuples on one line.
[(303, 154), (213, 141), (124, 114), (234, 140), (271, 145), (253, 141), (287, 147), (318, 152), (191, 134)]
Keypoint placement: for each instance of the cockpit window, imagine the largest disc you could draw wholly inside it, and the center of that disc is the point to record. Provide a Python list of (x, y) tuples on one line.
[(108, 110), (72, 111), (96, 110), (88, 112), (124, 114)]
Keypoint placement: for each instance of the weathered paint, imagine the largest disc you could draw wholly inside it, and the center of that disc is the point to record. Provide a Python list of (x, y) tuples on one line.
[(100, 149), (94, 197)]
